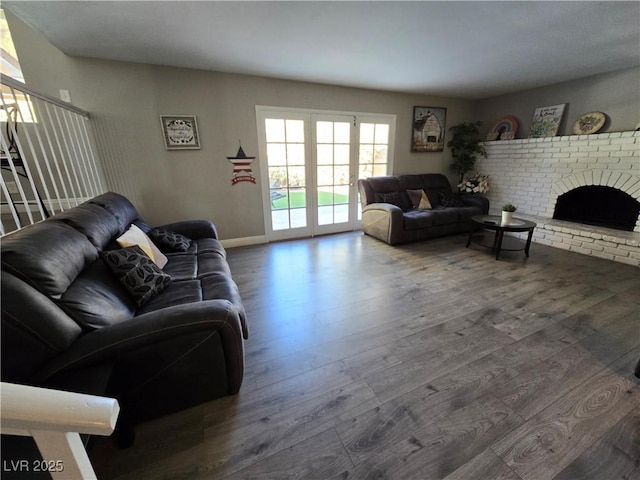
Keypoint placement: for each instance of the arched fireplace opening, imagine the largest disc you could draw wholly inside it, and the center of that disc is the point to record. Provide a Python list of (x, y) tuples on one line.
[(598, 205)]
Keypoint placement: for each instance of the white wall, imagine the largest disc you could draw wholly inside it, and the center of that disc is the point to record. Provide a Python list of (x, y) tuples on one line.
[(617, 94)]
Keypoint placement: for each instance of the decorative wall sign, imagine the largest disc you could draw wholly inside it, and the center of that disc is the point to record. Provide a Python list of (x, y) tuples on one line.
[(589, 123), (428, 129), (546, 121), (180, 132), (503, 129), (242, 168)]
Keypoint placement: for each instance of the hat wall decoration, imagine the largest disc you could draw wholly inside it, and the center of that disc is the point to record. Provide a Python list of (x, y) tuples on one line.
[(242, 167)]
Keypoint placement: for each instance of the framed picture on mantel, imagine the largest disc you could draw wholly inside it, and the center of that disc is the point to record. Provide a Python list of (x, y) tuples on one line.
[(546, 121)]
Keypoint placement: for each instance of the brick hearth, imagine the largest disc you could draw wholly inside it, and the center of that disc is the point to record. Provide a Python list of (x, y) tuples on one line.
[(531, 173)]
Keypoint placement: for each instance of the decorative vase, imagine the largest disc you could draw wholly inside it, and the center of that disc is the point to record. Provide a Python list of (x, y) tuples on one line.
[(507, 217)]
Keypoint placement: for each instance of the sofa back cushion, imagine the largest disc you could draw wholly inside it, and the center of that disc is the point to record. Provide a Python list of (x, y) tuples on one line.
[(95, 222), (385, 184), (120, 207), (399, 199), (432, 183), (48, 255), (371, 188)]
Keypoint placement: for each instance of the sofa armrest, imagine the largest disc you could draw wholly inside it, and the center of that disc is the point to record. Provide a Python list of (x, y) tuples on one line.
[(158, 327), (476, 201), (194, 229), (383, 221)]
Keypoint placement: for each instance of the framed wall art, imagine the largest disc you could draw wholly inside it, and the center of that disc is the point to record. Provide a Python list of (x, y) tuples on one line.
[(428, 129), (546, 121), (180, 132)]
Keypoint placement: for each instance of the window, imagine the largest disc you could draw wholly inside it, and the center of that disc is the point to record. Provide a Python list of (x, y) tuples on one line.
[(10, 65), (13, 103)]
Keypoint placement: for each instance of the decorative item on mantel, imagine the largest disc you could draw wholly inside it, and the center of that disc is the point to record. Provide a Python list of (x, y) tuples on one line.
[(546, 121), (507, 213), (477, 184), (504, 128), (589, 123), (242, 167)]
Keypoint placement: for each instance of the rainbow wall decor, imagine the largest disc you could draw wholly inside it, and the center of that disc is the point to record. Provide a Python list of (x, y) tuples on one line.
[(503, 129)]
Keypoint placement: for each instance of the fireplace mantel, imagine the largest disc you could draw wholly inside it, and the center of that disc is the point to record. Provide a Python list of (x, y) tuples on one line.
[(531, 173)]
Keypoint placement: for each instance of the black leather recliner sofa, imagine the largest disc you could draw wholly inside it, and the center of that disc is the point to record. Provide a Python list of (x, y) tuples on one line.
[(68, 323)]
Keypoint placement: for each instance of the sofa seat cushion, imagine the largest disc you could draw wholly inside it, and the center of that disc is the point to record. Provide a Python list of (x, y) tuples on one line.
[(210, 245), (182, 266), (212, 263), (443, 215), (219, 286), (97, 299), (417, 219), (465, 213), (178, 293)]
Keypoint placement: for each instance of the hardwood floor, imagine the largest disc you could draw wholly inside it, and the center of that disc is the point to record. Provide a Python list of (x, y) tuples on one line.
[(422, 361)]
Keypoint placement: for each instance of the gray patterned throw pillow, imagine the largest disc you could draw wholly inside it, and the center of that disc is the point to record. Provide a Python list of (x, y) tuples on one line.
[(171, 241), (142, 278), (450, 200)]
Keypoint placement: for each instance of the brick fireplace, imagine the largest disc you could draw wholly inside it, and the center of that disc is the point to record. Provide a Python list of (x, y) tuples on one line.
[(533, 173)]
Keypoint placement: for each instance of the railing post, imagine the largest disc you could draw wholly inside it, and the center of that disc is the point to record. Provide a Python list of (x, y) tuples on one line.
[(64, 455)]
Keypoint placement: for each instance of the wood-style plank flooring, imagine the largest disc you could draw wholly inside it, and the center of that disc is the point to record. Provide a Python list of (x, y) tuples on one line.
[(423, 361)]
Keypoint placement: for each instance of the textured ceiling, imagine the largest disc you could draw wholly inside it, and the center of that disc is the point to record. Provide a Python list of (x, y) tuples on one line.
[(461, 49)]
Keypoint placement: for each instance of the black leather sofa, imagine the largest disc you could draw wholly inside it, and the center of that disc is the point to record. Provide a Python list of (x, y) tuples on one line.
[(402, 222), (68, 323)]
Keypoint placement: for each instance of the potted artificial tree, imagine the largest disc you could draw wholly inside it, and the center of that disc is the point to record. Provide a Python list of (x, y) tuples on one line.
[(507, 213), (465, 146)]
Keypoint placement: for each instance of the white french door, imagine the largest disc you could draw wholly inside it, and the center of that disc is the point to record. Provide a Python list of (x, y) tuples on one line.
[(311, 162)]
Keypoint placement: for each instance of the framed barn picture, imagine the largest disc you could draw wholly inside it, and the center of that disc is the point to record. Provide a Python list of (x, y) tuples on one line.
[(428, 129), (180, 132)]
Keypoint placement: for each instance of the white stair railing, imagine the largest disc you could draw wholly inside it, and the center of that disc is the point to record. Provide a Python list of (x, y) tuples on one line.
[(47, 159), (55, 419)]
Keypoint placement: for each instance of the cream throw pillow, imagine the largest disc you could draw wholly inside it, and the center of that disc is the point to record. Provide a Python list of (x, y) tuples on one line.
[(135, 236), (419, 199)]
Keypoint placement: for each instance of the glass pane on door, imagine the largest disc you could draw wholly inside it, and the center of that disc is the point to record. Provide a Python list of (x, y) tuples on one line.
[(287, 177), (332, 171), (373, 152)]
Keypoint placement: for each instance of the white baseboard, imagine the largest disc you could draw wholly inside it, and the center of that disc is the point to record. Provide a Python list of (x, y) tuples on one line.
[(244, 241)]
